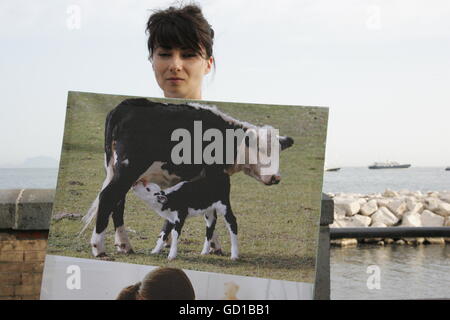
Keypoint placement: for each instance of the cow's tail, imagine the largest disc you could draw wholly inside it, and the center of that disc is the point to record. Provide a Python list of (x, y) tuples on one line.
[(89, 217)]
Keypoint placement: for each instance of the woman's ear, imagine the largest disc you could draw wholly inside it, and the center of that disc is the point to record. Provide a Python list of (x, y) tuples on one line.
[(209, 64)]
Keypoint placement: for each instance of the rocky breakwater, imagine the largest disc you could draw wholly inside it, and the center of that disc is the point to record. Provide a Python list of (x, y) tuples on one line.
[(391, 209)]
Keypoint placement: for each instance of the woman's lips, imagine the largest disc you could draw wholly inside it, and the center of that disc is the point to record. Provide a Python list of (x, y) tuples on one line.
[(175, 80)]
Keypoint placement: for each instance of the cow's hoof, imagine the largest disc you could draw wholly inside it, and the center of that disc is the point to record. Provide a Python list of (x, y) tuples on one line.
[(104, 256), (124, 248), (171, 257), (217, 252), (234, 258)]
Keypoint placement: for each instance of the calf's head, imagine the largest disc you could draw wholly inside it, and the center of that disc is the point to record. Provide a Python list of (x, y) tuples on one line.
[(151, 193)]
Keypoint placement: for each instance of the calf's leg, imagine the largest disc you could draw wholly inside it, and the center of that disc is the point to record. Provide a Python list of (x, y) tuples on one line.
[(176, 231), (231, 223), (210, 218), (163, 236)]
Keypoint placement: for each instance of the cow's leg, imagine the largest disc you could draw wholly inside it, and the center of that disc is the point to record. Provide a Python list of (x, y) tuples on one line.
[(121, 240), (210, 218), (163, 236), (98, 243), (109, 200), (176, 231), (231, 222)]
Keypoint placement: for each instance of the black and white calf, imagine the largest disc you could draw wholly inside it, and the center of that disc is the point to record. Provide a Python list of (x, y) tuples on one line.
[(139, 145), (209, 197)]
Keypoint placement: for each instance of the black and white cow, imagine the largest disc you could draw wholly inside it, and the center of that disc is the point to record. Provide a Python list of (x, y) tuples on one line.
[(209, 197), (138, 147)]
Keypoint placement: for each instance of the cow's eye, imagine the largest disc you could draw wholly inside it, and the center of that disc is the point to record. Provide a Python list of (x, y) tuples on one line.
[(147, 189)]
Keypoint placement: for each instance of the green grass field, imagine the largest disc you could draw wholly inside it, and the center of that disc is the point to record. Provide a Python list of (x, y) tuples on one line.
[(278, 225)]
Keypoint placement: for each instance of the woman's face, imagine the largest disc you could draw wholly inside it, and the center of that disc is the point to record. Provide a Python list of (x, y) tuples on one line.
[(180, 72)]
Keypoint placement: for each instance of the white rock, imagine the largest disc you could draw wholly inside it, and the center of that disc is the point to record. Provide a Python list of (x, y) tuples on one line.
[(435, 240), (344, 242), (378, 225), (445, 197), (411, 219), (432, 204), (433, 194), (447, 222), (350, 206), (443, 209), (430, 219), (383, 202), (339, 213), (369, 208), (335, 224), (418, 194), (385, 216), (390, 194), (363, 220), (355, 221), (414, 206), (397, 207), (362, 201)]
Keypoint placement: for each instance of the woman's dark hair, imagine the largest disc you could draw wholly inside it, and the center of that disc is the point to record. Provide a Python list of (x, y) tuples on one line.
[(160, 284), (130, 292), (183, 27)]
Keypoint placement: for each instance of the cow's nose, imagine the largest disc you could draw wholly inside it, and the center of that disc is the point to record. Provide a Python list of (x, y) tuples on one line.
[(275, 179)]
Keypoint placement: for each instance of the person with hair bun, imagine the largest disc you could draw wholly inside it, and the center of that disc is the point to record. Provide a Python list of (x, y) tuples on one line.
[(180, 46), (160, 284)]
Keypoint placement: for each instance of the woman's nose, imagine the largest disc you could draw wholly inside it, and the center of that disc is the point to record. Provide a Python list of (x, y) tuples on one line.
[(175, 65)]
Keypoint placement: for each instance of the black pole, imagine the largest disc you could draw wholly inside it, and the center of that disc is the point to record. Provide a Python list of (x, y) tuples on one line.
[(389, 232)]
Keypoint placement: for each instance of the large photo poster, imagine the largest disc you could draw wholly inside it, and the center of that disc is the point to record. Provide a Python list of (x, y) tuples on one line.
[(147, 184)]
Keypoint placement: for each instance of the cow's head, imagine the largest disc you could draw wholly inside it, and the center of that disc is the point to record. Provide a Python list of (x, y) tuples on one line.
[(258, 154)]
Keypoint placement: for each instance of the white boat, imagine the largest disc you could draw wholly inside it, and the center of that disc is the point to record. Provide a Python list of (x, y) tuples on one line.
[(389, 165)]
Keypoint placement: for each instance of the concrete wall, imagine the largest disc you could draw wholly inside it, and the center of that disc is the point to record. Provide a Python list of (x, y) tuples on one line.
[(24, 221)]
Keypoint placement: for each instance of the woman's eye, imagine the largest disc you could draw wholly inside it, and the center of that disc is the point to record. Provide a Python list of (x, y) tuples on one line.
[(164, 54), (189, 55)]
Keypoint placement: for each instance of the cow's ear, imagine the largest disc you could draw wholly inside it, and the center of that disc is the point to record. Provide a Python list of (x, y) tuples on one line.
[(162, 199), (285, 142)]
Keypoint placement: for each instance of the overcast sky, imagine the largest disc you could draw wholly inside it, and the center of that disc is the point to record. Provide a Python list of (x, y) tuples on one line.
[(382, 67)]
